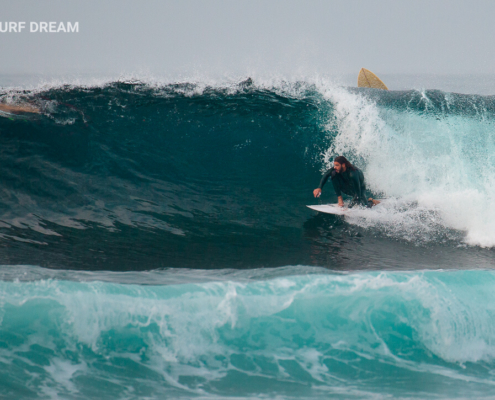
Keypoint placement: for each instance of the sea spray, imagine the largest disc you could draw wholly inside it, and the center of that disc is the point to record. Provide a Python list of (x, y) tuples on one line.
[(434, 157), (295, 335)]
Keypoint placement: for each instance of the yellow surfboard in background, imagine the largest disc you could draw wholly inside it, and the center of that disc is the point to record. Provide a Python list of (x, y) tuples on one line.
[(368, 79)]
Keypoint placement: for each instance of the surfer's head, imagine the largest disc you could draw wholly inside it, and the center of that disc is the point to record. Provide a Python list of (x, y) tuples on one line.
[(341, 163)]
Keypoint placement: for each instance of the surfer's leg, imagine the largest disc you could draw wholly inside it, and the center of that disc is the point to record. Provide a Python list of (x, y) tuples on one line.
[(362, 197), (353, 202), (358, 199)]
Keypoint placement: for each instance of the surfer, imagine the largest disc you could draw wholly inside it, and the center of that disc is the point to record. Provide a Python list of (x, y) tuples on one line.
[(347, 179)]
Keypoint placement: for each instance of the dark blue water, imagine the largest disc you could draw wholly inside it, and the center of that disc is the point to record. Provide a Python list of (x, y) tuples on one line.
[(155, 242)]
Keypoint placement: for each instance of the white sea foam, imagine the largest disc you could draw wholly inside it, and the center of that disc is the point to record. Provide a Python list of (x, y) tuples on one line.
[(325, 331), (439, 170)]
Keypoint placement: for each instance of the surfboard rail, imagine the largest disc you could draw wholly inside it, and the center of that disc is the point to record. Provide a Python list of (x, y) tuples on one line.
[(329, 209)]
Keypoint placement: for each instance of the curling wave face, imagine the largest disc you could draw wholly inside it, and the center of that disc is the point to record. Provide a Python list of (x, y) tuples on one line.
[(189, 175)]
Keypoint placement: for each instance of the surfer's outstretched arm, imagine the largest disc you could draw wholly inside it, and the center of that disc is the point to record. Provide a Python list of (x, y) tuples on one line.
[(324, 179)]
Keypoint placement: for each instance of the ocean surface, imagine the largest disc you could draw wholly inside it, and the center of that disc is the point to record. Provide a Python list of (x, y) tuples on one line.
[(155, 241)]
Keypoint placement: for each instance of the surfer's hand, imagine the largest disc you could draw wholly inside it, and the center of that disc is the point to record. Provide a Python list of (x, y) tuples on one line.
[(317, 192)]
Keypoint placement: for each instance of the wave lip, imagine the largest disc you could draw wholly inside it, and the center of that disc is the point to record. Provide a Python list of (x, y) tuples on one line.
[(430, 149), (300, 335)]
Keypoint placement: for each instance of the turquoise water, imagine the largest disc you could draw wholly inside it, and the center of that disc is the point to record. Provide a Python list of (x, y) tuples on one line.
[(306, 333), (154, 242)]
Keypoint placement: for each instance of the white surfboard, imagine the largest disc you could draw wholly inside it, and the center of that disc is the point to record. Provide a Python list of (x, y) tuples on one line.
[(336, 210), (331, 209)]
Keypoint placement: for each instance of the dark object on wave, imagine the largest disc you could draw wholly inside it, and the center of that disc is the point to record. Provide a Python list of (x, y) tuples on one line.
[(246, 83)]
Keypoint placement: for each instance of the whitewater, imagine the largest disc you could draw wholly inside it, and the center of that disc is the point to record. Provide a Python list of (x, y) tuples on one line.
[(154, 242)]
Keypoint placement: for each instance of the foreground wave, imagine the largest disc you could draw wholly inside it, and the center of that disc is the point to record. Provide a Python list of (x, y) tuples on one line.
[(295, 332), (130, 176)]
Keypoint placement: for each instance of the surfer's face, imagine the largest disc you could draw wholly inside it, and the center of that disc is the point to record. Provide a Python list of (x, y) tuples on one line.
[(337, 166)]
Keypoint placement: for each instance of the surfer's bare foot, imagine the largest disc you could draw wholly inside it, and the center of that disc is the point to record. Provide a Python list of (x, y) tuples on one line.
[(375, 202)]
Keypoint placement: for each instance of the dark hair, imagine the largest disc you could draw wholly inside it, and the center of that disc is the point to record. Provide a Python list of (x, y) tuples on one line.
[(342, 160)]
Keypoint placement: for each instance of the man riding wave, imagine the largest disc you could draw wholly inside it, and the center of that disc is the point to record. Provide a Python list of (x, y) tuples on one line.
[(347, 179)]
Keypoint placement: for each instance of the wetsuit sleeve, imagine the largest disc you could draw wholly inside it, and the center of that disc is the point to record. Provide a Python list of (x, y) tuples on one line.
[(325, 177)]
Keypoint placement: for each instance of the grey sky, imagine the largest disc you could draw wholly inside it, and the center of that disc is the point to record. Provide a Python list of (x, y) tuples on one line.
[(243, 37)]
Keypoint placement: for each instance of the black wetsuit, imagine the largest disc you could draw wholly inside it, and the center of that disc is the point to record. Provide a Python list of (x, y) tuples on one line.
[(349, 182)]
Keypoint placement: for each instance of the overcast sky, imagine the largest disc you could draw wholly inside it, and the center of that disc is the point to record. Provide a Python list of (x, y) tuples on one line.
[(286, 37)]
